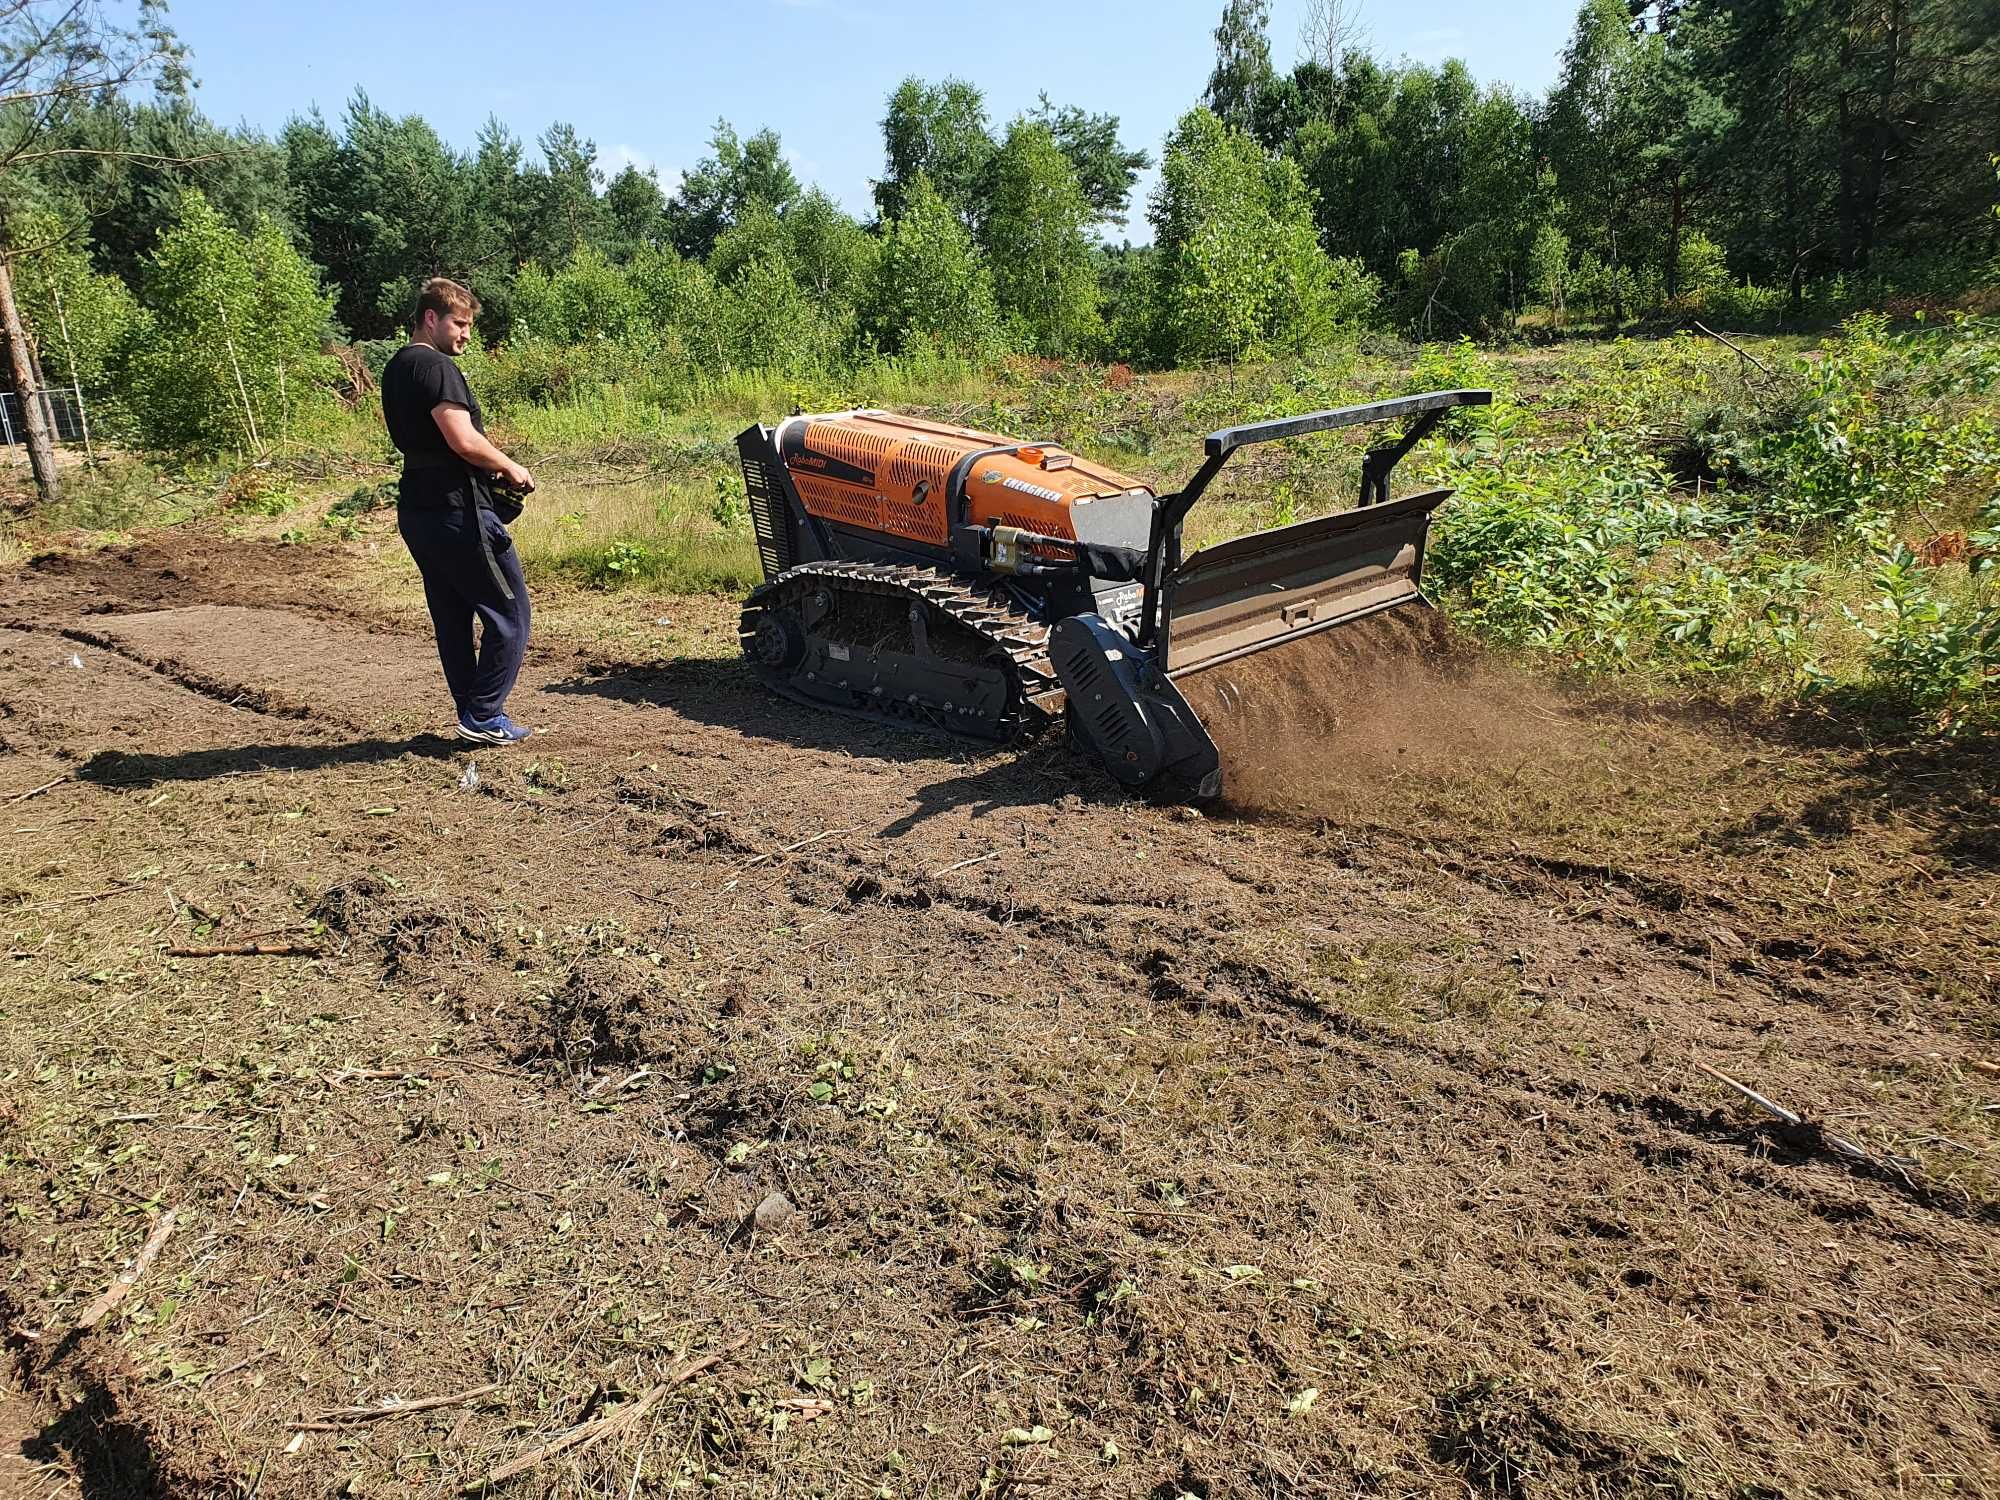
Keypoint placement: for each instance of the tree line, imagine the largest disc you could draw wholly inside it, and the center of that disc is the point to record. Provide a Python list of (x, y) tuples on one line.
[(1755, 153)]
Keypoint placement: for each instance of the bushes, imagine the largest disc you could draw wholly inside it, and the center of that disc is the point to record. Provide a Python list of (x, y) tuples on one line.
[(230, 353), (1934, 651), (1595, 551), (1863, 427), (1239, 267), (931, 289)]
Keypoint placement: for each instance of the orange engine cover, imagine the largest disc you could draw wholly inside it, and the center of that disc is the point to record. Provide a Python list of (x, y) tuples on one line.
[(907, 478)]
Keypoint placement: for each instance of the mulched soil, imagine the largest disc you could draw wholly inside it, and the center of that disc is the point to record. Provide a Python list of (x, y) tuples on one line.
[(999, 1134)]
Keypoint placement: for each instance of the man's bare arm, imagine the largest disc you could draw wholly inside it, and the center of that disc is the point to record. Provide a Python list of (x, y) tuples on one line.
[(470, 444)]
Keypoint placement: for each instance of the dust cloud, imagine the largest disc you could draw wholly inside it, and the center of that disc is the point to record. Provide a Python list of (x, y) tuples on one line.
[(1317, 727)]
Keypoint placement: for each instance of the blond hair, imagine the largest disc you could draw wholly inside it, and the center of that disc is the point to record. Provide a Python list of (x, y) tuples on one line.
[(444, 296)]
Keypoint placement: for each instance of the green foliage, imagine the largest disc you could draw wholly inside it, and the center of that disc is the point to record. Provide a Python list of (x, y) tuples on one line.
[(731, 510), (1105, 169), (1933, 655), (717, 191), (78, 318), (1037, 237), (1588, 552), (636, 212), (1858, 431), (1428, 180), (1239, 266), (831, 256), (773, 324), (1702, 269), (939, 132), (825, 252), (1854, 135), (932, 289), (1596, 551), (135, 159), (1600, 129), (936, 134), (1548, 269), (680, 301), (561, 195), (231, 354), (362, 500), (587, 299), (758, 234), (1242, 62), (383, 204)]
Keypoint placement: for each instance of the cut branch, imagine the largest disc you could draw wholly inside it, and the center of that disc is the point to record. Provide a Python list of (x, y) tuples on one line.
[(129, 1277), (1743, 353), (347, 1416), (248, 950), (578, 1438)]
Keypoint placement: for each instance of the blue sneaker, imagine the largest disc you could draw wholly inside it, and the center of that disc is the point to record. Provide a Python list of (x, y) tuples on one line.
[(498, 730)]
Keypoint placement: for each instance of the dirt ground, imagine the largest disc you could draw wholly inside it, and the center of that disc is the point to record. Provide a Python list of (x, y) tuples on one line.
[(773, 1106)]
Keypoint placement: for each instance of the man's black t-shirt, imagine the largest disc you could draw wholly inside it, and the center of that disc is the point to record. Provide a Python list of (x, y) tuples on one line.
[(417, 380)]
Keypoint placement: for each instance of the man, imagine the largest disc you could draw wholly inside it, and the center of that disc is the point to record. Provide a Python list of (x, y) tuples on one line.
[(445, 513)]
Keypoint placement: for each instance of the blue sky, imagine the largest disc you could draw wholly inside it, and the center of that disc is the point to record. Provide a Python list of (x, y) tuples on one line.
[(647, 82)]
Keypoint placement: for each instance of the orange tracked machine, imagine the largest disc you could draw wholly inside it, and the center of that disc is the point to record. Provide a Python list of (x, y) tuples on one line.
[(949, 579)]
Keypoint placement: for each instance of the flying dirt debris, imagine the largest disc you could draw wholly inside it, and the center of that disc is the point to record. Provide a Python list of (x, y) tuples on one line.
[(948, 579)]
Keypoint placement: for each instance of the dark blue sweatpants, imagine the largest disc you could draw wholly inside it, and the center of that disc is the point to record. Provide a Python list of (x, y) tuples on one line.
[(460, 584)]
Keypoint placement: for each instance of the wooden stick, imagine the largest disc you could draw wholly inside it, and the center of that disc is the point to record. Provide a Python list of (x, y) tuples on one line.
[(248, 950), (825, 833), (1745, 353), (1839, 1145), (347, 1416), (977, 859), (128, 1278), (372, 1075), (602, 1427), (116, 890), (36, 791), (1776, 1111)]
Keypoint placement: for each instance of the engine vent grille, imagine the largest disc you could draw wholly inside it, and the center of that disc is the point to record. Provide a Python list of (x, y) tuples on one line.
[(865, 450)]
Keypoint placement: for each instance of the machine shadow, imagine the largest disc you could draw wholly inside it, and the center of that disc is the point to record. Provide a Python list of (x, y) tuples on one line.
[(990, 779), (124, 768)]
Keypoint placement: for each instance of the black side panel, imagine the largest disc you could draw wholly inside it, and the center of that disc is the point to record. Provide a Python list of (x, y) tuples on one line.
[(786, 535)]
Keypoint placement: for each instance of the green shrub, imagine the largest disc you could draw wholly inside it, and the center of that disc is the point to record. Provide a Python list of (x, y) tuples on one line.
[(1703, 269), (932, 289), (1934, 653), (230, 355), (1862, 427), (731, 510)]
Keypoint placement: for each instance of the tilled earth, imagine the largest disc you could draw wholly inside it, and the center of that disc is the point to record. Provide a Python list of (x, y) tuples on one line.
[(818, 1111)]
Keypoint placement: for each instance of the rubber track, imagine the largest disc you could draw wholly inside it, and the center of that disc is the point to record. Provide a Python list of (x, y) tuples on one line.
[(986, 610)]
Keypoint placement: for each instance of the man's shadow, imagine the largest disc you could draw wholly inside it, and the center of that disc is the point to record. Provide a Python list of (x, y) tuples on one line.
[(125, 768)]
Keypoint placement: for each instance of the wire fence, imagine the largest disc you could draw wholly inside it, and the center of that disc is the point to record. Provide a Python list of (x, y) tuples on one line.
[(61, 410)]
